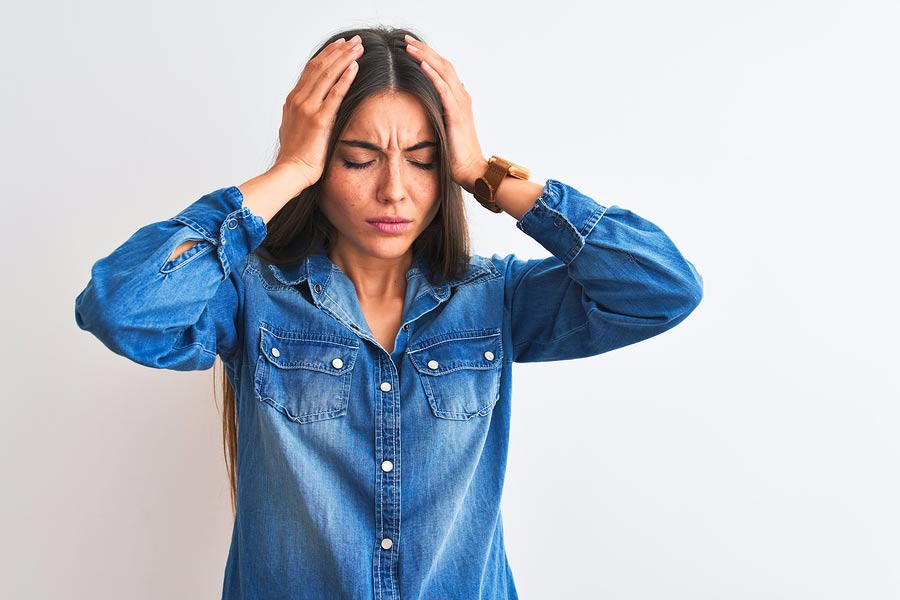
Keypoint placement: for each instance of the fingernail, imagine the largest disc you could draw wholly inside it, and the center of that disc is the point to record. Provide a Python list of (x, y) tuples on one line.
[(411, 48), (355, 38)]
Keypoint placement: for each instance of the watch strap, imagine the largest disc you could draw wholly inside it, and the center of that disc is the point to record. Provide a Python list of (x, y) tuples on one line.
[(498, 169)]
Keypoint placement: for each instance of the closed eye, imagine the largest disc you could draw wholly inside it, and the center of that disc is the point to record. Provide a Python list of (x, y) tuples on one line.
[(354, 165)]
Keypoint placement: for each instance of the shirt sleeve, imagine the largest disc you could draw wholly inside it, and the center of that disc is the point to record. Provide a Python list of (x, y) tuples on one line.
[(614, 279), (175, 314)]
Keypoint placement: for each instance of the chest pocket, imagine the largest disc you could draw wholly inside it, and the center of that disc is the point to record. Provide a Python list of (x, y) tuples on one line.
[(306, 376), (460, 372)]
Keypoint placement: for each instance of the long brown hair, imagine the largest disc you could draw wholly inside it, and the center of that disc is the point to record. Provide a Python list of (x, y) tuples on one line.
[(300, 228)]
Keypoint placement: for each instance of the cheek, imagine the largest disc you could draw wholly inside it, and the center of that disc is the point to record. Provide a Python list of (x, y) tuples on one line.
[(337, 198), (429, 192)]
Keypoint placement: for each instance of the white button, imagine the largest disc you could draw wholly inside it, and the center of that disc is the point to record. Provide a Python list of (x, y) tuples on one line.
[(387, 466), (387, 543), (489, 355), (275, 352), (433, 364), (337, 363), (385, 387)]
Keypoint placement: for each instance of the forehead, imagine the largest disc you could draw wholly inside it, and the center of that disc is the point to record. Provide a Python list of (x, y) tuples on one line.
[(390, 118)]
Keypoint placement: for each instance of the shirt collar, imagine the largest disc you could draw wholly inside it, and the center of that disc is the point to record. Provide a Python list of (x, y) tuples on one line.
[(318, 269)]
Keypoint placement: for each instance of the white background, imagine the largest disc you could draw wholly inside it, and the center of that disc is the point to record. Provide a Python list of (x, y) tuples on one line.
[(752, 452)]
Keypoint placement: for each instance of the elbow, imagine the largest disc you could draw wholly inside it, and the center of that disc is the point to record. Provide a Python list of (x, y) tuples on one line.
[(688, 296), (141, 343), (87, 315), (94, 316)]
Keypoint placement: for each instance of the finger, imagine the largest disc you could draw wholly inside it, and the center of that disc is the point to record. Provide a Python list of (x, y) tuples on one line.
[(328, 64), (445, 90), (336, 95), (423, 52), (328, 73), (436, 79), (453, 91), (323, 55)]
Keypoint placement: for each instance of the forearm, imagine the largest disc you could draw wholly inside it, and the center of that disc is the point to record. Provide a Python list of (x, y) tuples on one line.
[(514, 196), (267, 193), (517, 196), (615, 279), (177, 313), (264, 195)]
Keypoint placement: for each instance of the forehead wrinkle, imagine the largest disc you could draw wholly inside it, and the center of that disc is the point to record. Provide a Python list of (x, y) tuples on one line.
[(389, 121), (423, 145)]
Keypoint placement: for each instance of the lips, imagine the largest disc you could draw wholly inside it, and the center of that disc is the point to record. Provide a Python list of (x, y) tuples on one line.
[(389, 224)]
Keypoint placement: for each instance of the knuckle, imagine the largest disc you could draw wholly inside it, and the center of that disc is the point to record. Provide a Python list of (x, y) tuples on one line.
[(307, 108)]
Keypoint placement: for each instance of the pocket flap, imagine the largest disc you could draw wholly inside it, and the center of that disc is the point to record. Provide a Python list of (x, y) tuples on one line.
[(480, 350), (316, 352)]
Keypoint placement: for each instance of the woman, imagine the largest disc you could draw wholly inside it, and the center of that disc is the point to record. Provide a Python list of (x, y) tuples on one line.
[(367, 355)]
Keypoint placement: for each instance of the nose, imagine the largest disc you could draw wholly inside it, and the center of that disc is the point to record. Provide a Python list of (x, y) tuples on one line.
[(392, 187)]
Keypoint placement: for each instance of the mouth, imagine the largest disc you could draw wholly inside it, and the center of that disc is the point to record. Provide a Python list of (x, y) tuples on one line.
[(389, 224)]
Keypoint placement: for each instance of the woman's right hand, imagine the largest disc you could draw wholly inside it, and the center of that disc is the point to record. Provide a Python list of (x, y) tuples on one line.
[(311, 107), (308, 117)]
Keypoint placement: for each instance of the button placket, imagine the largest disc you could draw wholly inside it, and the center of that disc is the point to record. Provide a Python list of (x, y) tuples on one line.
[(387, 476)]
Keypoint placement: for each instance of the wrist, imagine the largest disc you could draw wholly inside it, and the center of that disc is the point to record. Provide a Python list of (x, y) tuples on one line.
[(293, 174), (475, 171), (267, 193)]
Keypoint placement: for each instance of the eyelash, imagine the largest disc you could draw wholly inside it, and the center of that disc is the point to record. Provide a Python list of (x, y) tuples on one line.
[(353, 165)]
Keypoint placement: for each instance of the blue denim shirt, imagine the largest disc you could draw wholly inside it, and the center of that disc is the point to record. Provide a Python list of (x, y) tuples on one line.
[(363, 473)]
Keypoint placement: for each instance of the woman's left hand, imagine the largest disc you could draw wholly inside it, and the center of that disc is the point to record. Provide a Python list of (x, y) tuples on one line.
[(467, 162)]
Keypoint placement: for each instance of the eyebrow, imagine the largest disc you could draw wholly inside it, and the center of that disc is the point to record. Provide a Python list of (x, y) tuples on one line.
[(371, 146)]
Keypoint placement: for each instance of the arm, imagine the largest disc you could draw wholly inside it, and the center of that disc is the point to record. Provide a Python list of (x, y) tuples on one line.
[(170, 296), (614, 279), (307, 118), (174, 313)]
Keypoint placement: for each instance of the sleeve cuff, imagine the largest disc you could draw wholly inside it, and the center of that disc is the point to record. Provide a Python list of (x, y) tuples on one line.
[(561, 219), (221, 219)]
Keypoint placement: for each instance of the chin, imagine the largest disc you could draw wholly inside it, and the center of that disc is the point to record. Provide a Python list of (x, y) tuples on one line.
[(388, 249)]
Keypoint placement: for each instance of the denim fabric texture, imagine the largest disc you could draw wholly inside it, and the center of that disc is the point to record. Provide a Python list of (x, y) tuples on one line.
[(361, 473)]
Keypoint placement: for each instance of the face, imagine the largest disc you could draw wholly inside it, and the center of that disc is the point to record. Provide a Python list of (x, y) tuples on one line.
[(380, 190)]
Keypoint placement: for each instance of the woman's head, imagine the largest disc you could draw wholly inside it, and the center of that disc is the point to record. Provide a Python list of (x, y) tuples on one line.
[(388, 84), (380, 192)]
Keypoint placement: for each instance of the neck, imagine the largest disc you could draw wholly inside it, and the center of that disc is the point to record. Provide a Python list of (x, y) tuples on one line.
[(374, 278)]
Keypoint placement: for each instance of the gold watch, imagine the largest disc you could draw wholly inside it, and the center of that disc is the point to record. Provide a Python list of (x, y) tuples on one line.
[(485, 187)]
